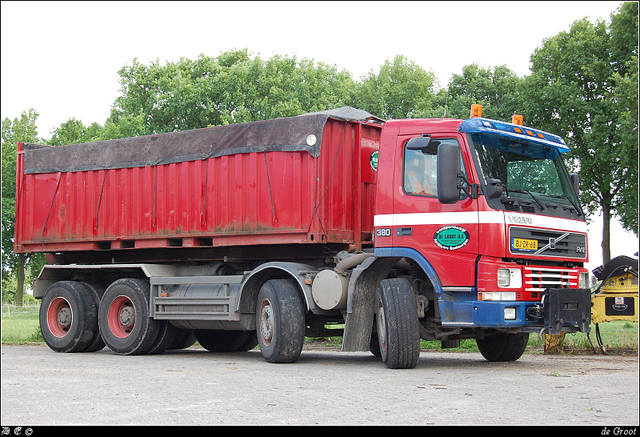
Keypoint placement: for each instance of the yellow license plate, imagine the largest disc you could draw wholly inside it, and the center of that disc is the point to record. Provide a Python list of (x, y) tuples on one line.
[(522, 244)]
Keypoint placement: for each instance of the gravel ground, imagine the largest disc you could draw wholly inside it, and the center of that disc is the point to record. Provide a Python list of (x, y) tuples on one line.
[(325, 386)]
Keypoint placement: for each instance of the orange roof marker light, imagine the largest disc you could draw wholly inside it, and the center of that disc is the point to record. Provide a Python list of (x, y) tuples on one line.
[(476, 111), (517, 119)]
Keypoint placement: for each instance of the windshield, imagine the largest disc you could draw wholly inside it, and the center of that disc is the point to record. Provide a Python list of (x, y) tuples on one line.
[(532, 175)]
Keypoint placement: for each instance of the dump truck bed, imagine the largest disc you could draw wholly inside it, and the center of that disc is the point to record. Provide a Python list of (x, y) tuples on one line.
[(265, 183)]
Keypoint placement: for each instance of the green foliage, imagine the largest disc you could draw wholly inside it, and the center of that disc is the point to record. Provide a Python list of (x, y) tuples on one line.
[(583, 86), (74, 131), (496, 89), (232, 88), (20, 129), (401, 89)]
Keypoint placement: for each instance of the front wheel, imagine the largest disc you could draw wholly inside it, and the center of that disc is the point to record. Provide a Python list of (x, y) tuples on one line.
[(503, 346), (397, 324), (280, 321)]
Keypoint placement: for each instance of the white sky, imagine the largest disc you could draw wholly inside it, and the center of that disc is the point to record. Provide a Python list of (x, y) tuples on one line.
[(62, 58)]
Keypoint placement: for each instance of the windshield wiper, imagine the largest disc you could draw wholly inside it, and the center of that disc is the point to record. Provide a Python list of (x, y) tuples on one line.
[(542, 207)]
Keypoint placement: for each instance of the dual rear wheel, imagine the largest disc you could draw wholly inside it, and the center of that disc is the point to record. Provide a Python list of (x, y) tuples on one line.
[(81, 317)]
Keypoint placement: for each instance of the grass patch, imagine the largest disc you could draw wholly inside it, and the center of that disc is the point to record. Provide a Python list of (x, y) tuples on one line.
[(21, 325)]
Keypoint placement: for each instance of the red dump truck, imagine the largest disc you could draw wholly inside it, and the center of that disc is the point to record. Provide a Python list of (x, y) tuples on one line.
[(325, 224)]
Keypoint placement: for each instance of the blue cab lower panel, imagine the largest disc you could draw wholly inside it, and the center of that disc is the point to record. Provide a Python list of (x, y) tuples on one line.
[(461, 308)]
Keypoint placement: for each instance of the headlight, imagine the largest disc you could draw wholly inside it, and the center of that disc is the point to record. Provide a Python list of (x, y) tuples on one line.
[(504, 277), (509, 278)]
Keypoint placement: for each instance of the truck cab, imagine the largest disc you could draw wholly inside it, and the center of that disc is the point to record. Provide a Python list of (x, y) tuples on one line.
[(488, 218)]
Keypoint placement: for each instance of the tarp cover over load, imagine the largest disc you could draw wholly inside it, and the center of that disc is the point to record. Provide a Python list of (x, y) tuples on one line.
[(281, 134)]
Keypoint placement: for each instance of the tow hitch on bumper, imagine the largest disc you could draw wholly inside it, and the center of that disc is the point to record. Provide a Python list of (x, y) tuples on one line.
[(563, 310)]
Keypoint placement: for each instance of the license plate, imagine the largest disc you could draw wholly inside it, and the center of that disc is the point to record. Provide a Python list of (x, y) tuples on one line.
[(522, 244)]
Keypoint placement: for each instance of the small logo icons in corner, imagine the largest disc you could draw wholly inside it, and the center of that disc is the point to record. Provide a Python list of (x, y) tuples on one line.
[(17, 431)]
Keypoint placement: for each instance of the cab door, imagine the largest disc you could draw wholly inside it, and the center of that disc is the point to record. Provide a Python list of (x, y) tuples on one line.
[(446, 235)]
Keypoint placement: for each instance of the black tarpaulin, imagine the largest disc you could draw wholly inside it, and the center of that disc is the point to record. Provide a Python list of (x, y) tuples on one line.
[(281, 134)]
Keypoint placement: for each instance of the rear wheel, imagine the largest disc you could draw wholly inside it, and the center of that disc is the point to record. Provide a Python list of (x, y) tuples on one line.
[(503, 346), (124, 319), (226, 341), (166, 337), (97, 291), (68, 317), (184, 339), (397, 324), (280, 321)]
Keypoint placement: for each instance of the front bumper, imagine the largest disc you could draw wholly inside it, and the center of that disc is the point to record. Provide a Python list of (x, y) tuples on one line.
[(559, 310)]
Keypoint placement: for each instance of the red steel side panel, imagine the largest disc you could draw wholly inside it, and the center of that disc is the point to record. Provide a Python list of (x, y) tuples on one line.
[(241, 199)]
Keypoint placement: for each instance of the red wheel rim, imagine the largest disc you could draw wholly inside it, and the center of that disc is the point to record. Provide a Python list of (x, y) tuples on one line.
[(121, 317), (59, 317)]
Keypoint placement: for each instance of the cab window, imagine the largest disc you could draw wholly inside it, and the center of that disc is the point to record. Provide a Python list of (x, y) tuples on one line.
[(420, 168)]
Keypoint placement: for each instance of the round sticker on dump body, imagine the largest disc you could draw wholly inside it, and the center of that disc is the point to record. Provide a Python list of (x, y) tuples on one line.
[(451, 237)]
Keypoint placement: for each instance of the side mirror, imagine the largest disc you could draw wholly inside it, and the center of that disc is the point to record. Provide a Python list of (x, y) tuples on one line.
[(419, 143), (575, 183), (448, 171), (494, 188)]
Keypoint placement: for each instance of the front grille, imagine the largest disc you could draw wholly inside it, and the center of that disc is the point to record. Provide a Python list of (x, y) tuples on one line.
[(550, 243), (538, 279)]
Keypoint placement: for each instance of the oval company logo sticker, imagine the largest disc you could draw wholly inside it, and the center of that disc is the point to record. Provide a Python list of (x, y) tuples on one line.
[(451, 237)]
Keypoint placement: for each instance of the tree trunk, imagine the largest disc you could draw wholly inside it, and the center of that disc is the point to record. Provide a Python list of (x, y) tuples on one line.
[(606, 233), (20, 278)]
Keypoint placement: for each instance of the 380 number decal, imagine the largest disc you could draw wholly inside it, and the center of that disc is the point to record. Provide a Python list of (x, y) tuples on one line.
[(383, 232)]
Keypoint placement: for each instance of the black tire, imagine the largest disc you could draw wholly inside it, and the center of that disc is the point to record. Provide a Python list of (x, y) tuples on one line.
[(280, 321), (397, 324), (184, 339), (166, 337), (68, 317), (503, 346), (124, 320), (226, 341), (97, 291)]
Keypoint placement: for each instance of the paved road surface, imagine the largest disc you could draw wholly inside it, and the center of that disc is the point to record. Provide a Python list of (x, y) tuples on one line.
[(195, 387)]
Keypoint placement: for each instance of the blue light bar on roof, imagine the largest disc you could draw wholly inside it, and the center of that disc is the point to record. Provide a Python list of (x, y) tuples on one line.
[(485, 125)]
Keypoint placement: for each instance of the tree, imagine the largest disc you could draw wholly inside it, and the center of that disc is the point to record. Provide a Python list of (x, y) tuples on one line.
[(231, 88), (582, 87), (401, 89), (495, 88), (74, 131), (21, 129)]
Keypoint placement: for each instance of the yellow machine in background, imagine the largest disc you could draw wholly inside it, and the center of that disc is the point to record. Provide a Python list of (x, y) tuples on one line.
[(616, 298)]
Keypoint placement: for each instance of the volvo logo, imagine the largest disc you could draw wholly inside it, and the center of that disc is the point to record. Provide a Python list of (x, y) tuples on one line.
[(521, 220), (552, 243)]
